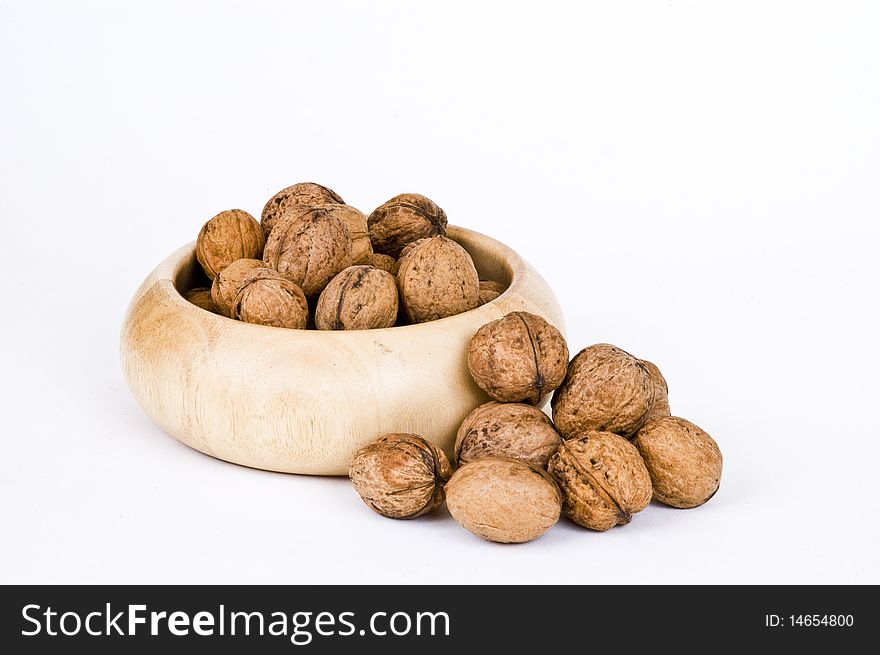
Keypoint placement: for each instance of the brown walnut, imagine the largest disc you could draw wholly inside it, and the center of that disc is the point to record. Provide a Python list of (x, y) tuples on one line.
[(385, 262), (408, 247), (436, 279), (605, 388), (503, 500), (602, 478), (230, 235), (400, 476), (359, 298), (660, 406), (510, 430), (404, 219), (356, 224), (295, 199), (490, 290), (684, 462), (267, 298), (309, 249), (228, 281), (518, 358), (201, 297)]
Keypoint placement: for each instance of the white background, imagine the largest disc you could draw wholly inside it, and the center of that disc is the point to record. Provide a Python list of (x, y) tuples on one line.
[(699, 182)]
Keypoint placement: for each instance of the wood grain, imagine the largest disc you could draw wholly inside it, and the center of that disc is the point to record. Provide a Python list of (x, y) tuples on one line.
[(303, 401)]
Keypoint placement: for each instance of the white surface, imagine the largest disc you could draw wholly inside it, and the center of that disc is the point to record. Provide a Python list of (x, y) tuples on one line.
[(698, 181)]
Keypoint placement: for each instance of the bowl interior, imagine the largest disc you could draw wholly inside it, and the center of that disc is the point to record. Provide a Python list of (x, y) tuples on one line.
[(491, 264), (191, 276)]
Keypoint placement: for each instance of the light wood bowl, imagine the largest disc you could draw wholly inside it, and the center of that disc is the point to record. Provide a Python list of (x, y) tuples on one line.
[(303, 401)]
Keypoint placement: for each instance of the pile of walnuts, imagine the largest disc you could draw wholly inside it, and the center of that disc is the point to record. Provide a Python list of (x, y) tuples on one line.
[(313, 261), (610, 447)]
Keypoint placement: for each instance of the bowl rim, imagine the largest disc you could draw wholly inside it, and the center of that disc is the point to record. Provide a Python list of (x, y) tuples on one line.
[(167, 272)]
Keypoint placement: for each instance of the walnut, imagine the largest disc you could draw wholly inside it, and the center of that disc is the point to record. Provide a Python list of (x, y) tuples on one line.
[(359, 298), (490, 290), (510, 430), (400, 476), (437, 279), (684, 462), (402, 220), (503, 499), (302, 196), (605, 388), (356, 224), (228, 281), (518, 358), (408, 247), (230, 235), (201, 297), (602, 478), (385, 262), (267, 298), (309, 249), (660, 406)]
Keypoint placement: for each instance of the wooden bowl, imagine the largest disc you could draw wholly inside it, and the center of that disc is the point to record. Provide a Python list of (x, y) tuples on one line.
[(303, 401)]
